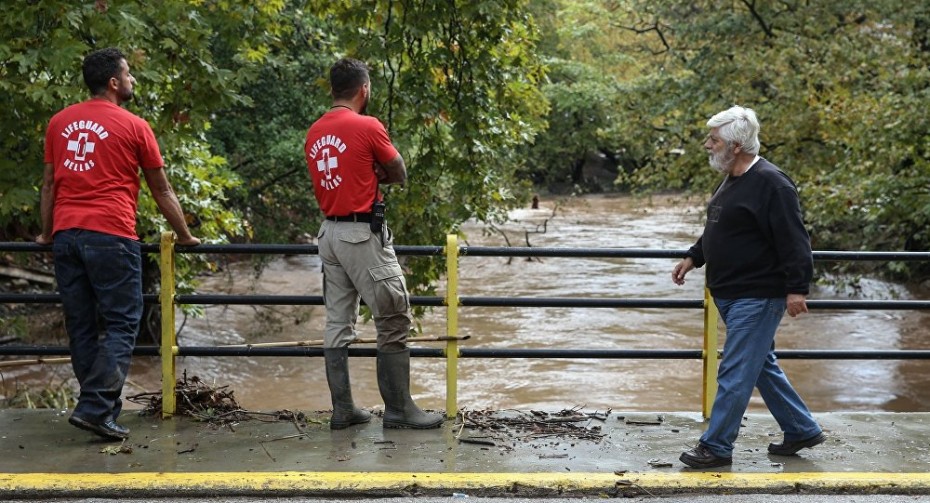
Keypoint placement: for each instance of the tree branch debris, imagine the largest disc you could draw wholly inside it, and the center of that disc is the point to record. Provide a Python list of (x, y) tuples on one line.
[(210, 404), (510, 425)]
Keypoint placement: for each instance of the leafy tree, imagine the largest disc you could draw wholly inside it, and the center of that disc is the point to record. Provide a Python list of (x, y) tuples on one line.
[(262, 139), (840, 88), (171, 47), (585, 86), (231, 86), (456, 83)]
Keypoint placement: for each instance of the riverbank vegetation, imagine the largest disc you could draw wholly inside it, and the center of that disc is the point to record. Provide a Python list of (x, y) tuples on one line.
[(490, 102)]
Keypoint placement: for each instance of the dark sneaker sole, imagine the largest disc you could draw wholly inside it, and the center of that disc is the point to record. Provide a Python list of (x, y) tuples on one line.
[(793, 449), (93, 428), (696, 463)]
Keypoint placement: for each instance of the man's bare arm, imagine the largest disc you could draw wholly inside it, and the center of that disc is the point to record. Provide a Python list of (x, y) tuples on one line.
[(394, 171), (47, 205), (169, 205)]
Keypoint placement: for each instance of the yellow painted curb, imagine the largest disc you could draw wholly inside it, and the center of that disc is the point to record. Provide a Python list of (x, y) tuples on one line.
[(479, 483)]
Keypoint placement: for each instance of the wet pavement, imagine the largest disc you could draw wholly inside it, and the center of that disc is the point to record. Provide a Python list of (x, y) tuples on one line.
[(624, 453)]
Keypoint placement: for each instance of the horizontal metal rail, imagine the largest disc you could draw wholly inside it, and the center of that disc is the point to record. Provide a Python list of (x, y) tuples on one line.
[(484, 251), (169, 350), (317, 300), (507, 353)]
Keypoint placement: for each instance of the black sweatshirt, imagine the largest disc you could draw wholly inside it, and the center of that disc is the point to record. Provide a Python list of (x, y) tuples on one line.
[(754, 241)]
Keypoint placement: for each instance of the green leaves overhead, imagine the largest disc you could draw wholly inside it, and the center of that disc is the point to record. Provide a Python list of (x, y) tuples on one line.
[(841, 89), (485, 98), (173, 48), (457, 84)]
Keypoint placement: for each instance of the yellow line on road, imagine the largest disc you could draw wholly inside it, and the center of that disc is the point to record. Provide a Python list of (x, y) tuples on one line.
[(438, 483)]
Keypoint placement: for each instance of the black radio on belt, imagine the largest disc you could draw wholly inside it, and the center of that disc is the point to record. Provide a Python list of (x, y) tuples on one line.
[(377, 216)]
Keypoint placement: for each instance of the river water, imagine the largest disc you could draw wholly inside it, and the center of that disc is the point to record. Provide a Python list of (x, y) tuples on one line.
[(669, 222)]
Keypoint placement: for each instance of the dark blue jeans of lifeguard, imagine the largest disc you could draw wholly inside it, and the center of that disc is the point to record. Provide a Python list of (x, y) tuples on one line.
[(100, 280)]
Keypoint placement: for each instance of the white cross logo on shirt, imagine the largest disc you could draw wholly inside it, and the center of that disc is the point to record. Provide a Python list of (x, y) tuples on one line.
[(327, 164), (81, 147)]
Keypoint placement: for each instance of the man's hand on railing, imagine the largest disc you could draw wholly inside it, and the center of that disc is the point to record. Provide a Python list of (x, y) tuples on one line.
[(188, 241)]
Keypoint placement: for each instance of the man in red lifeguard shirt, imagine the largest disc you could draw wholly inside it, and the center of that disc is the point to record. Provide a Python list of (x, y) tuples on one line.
[(90, 189), (348, 154)]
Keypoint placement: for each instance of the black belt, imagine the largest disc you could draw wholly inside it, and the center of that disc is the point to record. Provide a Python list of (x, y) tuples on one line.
[(355, 217)]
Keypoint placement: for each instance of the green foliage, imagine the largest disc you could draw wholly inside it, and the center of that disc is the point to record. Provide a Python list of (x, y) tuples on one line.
[(58, 397), (586, 88), (231, 86), (457, 85), (188, 57), (840, 88), (483, 98), (170, 47), (263, 138)]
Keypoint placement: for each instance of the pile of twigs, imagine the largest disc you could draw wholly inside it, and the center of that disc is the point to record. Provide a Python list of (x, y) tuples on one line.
[(216, 405), (522, 425)]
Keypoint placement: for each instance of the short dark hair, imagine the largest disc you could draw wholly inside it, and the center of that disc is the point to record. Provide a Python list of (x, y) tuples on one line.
[(101, 66), (346, 76)]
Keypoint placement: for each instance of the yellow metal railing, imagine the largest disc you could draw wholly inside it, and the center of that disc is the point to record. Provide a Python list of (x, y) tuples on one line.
[(710, 355), (169, 347), (452, 324)]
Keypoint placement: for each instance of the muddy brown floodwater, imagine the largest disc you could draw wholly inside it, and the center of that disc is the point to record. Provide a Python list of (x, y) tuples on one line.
[(668, 223)]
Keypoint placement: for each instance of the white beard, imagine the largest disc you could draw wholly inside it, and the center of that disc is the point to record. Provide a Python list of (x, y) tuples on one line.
[(722, 162)]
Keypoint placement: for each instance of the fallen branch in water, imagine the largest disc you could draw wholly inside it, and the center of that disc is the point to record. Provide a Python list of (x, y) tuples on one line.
[(37, 361), (289, 344)]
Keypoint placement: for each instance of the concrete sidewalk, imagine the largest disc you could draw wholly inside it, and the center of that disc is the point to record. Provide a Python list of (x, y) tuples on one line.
[(637, 454)]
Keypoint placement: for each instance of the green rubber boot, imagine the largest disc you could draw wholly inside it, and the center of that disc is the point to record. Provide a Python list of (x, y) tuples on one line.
[(345, 413), (394, 383)]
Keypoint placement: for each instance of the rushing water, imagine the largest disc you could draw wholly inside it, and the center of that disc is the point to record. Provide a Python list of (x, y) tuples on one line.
[(265, 383)]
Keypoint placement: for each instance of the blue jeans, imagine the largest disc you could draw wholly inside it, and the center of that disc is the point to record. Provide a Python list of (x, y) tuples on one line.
[(100, 280), (749, 361)]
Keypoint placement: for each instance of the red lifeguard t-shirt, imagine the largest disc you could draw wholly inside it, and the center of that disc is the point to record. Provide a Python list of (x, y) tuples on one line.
[(341, 149), (96, 149)]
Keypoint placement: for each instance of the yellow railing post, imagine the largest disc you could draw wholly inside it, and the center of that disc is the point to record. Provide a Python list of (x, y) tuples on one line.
[(168, 337), (710, 354), (452, 324)]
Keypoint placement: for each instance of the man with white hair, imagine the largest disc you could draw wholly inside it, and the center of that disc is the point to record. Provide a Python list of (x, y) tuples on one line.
[(759, 264)]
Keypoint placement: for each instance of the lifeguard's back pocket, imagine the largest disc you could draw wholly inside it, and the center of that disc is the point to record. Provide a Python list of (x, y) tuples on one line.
[(359, 235)]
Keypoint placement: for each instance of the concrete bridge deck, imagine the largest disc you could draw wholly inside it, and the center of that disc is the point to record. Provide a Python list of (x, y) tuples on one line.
[(623, 454)]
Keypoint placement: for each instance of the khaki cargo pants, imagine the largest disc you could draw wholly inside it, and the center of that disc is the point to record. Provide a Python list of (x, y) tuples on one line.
[(357, 265)]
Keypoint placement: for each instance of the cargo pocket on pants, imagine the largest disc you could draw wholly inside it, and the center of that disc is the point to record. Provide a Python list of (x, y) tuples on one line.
[(390, 291)]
